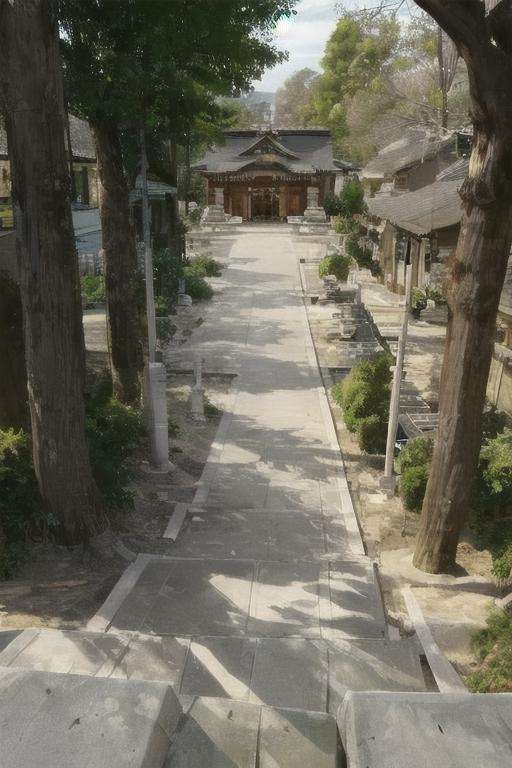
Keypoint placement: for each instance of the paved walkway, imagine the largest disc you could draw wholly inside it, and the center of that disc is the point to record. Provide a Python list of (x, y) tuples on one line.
[(267, 600), (267, 582)]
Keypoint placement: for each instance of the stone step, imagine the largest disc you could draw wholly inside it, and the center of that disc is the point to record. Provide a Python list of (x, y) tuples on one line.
[(419, 730), (301, 673), (219, 733), (51, 720)]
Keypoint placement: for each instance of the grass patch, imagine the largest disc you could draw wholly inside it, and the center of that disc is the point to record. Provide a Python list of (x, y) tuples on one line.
[(493, 648)]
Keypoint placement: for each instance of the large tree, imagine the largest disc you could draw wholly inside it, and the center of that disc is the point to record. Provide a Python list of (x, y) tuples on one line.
[(295, 100), (484, 39), (125, 64), (32, 101)]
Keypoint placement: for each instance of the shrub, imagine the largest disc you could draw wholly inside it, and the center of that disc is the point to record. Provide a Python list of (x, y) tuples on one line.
[(352, 198), (21, 510), (194, 215), (365, 392), (94, 288), (167, 271), (204, 266), (362, 256), (493, 647), (435, 295), (376, 269), (114, 432), (372, 434), (332, 204), (417, 452), (493, 422), (418, 300), (336, 264), (196, 286), (413, 484), (162, 307), (344, 225)]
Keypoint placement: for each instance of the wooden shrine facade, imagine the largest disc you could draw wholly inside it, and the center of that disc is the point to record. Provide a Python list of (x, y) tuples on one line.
[(265, 175)]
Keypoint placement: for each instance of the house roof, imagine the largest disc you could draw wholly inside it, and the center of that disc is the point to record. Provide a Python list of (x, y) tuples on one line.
[(435, 206), (415, 147), (82, 142), (297, 151), (157, 190)]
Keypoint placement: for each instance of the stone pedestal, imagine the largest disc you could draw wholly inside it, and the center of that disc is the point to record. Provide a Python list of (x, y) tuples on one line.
[(314, 219), (215, 214)]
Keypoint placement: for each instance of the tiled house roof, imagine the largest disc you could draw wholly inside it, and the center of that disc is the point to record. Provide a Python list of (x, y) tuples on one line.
[(413, 148), (82, 142), (435, 206), (297, 151)]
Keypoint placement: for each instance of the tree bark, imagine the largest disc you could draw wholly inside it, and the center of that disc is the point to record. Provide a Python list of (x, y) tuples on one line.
[(121, 273), (13, 381), (31, 93), (478, 272)]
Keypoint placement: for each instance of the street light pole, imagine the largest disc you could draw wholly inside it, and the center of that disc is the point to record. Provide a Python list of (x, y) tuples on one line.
[(388, 481), (155, 374)]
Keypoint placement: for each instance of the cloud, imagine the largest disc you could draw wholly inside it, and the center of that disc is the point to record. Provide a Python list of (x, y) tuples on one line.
[(304, 37)]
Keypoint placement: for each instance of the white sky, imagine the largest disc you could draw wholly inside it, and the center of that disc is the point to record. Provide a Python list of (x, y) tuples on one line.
[(304, 37)]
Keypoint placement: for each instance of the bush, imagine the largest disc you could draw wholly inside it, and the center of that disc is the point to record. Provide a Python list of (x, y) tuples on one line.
[(362, 256), (349, 202), (21, 510), (194, 215), (204, 266), (435, 295), (93, 286), (162, 306), (114, 431), (492, 500), (196, 286), (372, 434), (332, 204), (493, 647), (344, 225), (336, 264), (413, 484), (365, 392), (417, 452)]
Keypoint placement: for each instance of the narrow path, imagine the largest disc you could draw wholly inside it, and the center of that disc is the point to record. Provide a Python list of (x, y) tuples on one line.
[(267, 589), (266, 611)]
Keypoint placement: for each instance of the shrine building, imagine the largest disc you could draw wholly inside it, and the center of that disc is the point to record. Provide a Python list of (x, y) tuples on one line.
[(264, 175)]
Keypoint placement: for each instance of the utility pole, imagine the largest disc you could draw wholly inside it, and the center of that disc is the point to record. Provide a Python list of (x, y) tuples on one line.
[(388, 481), (155, 378)]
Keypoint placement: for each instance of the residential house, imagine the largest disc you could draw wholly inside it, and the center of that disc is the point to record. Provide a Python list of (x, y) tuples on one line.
[(412, 162), (84, 166)]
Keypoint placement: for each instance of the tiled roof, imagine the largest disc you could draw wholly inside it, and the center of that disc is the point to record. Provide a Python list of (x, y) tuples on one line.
[(412, 148), (435, 206), (82, 141), (312, 149)]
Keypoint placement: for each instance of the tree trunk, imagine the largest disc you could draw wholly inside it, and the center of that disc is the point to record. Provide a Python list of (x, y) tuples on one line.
[(31, 93), (13, 381), (478, 273), (121, 272)]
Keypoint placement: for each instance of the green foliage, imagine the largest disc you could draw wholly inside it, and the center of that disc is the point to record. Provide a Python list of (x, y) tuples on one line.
[(493, 647), (362, 256), (413, 484), (194, 216), (294, 101), (167, 270), (197, 287), (348, 203), (21, 510), (114, 432), (365, 393), (435, 295), (418, 299), (417, 452), (162, 306), (344, 225), (94, 288), (205, 266), (372, 434), (336, 264), (493, 422), (492, 498)]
